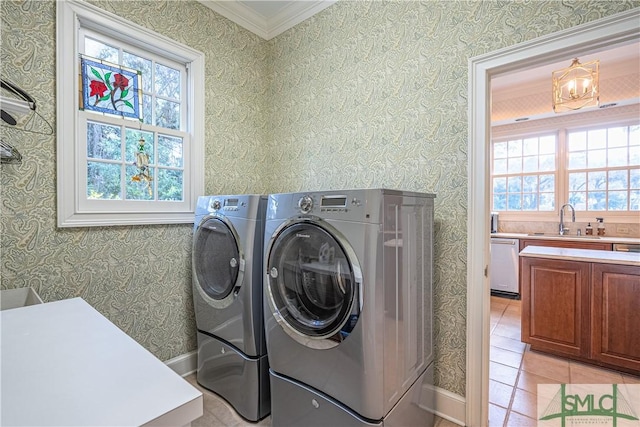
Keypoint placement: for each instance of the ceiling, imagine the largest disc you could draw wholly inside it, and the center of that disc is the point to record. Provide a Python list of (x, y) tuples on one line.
[(267, 18)]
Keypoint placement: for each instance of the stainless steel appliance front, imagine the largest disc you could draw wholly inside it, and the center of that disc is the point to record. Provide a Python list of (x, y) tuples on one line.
[(348, 301), (227, 296), (626, 247), (504, 271)]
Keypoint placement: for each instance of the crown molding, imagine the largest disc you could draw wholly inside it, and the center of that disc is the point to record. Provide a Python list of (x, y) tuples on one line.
[(267, 27)]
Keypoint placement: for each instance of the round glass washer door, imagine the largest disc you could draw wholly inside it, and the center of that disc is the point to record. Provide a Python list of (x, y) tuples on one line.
[(313, 284), (218, 263)]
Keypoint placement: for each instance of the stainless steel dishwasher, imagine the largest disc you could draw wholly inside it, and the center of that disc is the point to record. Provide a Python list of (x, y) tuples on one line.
[(504, 267), (626, 247)]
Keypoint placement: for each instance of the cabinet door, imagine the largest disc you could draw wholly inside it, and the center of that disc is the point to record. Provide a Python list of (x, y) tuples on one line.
[(616, 315), (555, 306)]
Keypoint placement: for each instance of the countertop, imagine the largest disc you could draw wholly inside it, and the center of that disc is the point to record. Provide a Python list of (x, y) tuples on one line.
[(584, 255), (65, 364), (603, 239)]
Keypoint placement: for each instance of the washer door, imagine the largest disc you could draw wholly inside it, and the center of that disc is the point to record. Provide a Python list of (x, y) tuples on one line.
[(313, 284), (218, 263)]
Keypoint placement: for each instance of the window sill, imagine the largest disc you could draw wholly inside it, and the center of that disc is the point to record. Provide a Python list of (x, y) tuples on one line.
[(111, 219)]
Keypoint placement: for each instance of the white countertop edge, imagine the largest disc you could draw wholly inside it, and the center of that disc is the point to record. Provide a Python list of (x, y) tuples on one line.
[(64, 363), (595, 239), (191, 410), (582, 255)]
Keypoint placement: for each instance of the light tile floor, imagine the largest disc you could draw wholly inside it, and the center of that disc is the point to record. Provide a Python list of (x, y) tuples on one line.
[(515, 371), (514, 374), (218, 413)]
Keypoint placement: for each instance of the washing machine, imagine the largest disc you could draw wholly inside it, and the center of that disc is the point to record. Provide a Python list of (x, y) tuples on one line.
[(348, 307), (227, 281)]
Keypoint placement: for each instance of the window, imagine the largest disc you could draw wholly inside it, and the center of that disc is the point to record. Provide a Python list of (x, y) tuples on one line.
[(524, 174), (126, 169), (595, 168), (604, 169)]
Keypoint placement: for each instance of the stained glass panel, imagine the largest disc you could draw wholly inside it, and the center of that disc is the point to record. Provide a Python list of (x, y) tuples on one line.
[(110, 89)]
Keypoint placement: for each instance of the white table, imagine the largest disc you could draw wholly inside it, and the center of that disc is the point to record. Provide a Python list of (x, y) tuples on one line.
[(64, 364)]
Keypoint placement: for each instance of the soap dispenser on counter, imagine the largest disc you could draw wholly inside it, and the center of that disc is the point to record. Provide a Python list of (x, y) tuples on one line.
[(600, 226), (588, 230)]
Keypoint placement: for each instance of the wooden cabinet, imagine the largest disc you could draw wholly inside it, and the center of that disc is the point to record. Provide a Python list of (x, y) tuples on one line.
[(555, 306), (582, 310), (615, 313), (586, 244)]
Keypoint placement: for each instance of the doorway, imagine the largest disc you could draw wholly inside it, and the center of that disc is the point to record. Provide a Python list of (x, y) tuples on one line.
[(591, 37)]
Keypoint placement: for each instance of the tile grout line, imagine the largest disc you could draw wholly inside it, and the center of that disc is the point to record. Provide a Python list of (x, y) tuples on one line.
[(515, 385)]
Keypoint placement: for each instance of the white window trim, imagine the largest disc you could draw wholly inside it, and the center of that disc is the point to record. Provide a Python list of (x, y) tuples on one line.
[(615, 116), (72, 14)]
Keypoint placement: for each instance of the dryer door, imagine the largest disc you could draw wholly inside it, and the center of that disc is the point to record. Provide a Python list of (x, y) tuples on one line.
[(218, 263), (313, 284)]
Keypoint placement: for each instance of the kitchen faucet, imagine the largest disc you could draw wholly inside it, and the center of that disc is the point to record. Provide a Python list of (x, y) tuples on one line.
[(562, 228)]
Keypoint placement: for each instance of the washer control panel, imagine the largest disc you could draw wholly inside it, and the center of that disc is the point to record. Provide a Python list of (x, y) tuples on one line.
[(226, 205), (327, 203)]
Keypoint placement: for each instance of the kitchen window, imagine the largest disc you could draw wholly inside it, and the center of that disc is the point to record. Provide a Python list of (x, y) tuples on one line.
[(604, 168), (596, 168), (145, 167), (524, 174)]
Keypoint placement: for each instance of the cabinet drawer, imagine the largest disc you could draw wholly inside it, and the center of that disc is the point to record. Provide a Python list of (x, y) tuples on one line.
[(602, 246)]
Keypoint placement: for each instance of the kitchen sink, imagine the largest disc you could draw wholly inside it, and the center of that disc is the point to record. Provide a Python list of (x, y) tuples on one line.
[(567, 236)]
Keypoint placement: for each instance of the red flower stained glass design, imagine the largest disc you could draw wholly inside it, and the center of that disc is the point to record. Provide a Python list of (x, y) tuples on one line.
[(120, 82), (97, 89), (110, 88)]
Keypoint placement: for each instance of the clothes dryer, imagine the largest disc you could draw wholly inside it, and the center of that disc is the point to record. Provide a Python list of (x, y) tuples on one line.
[(348, 307), (227, 294)]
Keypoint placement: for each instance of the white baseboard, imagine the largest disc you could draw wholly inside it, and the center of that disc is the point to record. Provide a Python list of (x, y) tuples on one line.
[(450, 406), (185, 364)]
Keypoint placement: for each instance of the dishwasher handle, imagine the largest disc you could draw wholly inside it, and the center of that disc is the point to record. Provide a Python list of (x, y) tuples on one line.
[(622, 247)]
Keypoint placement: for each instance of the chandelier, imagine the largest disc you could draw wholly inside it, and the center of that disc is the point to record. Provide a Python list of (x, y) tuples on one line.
[(576, 87)]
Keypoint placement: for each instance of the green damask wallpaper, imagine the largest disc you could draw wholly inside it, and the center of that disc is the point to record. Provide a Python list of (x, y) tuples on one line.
[(374, 94), (364, 94), (138, 277)]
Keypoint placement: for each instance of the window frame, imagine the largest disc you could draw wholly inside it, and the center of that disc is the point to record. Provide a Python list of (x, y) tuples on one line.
[(72, 209), (562, 125)]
